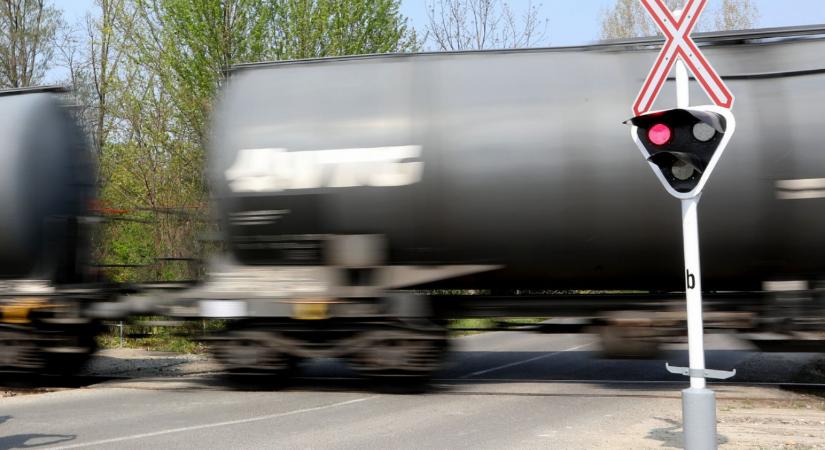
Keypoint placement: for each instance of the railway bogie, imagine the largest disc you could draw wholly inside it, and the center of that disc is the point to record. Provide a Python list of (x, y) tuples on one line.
[(46, 335), (374, 347)]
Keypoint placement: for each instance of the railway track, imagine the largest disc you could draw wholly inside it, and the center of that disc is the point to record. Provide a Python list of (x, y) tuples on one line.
[(11, 385)]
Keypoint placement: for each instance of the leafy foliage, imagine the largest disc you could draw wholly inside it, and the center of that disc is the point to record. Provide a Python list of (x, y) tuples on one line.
[(319, 28), (153, 69), (27, 41)]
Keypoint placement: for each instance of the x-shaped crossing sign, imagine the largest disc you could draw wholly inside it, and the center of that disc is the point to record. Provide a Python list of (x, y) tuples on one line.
[(680, 45)]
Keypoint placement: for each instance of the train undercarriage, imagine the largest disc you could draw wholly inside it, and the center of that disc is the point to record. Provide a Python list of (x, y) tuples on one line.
[(380, 348), (280, 316), (46, 333), (402, 334)]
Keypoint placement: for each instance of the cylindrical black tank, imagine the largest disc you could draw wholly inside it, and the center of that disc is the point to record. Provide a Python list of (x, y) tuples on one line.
[(520, 159), (46, 180)]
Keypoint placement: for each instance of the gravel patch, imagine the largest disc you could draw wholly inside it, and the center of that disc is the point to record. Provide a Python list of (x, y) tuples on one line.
[(126, 362), (794, 424)]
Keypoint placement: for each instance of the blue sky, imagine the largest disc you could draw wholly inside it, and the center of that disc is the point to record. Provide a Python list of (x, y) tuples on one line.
[(575, 21), (578, 21)]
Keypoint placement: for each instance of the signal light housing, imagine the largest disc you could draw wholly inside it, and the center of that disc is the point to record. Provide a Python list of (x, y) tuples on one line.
[(683, 145)]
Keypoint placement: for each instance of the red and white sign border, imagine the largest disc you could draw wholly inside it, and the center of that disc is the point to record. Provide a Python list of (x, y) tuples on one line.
[(679, 45)]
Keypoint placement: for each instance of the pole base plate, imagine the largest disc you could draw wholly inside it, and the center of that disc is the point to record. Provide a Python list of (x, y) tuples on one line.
[(701, 373)]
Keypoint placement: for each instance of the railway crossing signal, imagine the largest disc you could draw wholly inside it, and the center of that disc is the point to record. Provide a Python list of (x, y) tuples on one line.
[(683, 146)]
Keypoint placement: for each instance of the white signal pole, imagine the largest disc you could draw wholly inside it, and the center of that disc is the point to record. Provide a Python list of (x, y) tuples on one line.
[(698, 402), (690, 238)]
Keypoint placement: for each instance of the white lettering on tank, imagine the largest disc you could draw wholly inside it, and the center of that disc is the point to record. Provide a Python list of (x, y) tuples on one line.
[(800, 189), (276, 169)]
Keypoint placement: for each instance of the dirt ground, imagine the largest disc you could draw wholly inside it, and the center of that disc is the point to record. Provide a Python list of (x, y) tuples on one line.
[(772, 419), (128, 362), (794, 424)]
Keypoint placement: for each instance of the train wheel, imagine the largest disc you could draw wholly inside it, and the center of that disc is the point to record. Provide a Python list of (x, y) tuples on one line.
[(251, 356), (48, 350), (71, 360), (18, 351), (402, 356)]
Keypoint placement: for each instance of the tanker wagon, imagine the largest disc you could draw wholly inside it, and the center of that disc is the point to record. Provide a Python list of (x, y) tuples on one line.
[(46, 183), (349, 189)]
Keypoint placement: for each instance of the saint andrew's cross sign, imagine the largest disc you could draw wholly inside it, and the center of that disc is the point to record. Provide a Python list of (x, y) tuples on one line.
[(679, 45)]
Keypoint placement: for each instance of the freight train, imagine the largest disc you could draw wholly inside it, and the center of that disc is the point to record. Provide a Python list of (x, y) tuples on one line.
[(364, 200), (351, 189)]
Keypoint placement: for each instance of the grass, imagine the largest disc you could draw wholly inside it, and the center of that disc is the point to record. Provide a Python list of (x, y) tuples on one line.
[(186, 338), (459, 327), (175, 344), (178, 339)]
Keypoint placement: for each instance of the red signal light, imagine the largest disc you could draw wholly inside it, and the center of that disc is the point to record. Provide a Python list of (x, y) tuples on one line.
[(659, 134)]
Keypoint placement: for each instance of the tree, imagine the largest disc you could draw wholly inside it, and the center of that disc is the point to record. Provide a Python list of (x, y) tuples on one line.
[(736, 15), (27, 37), (189, 45), (104, 59), (157, 66), (318, 28), (629, 19), (482, 24), (88, 52)]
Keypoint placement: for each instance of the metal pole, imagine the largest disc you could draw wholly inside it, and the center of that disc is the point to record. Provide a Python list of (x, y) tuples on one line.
[(682, 80), (698, 402), (120, 329), (682, 85), (693, 289)]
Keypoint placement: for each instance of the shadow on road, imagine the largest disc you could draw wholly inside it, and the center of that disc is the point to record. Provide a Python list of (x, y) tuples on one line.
[(33, 383), (30, 440), (752, 367), (671, 435), (477, 368)]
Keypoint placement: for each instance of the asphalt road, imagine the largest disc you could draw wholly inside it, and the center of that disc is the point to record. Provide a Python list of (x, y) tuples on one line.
[(503, 390)]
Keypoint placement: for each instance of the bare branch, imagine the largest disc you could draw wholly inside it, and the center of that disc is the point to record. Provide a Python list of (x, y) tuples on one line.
[(28, 29), (628, 18), (482, 24)]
